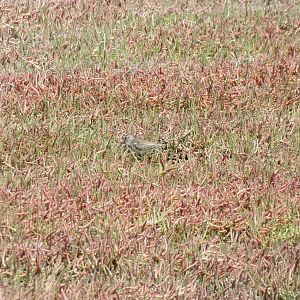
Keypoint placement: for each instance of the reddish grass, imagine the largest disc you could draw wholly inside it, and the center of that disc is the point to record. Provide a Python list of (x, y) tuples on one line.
[(81, 218)]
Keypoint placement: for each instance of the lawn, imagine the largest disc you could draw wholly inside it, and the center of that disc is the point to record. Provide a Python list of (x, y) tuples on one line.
[(215, 217)]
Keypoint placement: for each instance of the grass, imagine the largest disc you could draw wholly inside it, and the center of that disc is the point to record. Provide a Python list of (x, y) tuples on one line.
[(82, 218)]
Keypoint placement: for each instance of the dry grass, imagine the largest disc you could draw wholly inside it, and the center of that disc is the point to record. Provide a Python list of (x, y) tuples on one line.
[(81, 218)]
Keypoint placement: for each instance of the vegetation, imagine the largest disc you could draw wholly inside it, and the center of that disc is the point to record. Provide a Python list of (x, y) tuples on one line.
[(81, 218)]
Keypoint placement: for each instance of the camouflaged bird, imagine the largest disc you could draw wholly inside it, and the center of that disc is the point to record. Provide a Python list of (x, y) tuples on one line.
[(141, 147)]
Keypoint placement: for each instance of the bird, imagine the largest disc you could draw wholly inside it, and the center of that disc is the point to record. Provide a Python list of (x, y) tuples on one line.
[(142, 147)]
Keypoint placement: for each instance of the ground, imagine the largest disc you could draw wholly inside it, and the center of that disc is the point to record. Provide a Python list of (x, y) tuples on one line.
[(81, 217)]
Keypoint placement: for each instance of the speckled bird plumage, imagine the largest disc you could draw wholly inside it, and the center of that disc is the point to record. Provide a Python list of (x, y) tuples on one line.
[(142, 147)]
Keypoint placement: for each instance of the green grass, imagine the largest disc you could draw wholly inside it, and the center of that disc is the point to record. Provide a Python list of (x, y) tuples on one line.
[(82, 217)]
